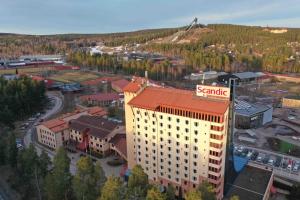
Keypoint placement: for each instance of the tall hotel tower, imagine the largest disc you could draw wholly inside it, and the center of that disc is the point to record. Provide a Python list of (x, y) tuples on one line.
[(177, 136)]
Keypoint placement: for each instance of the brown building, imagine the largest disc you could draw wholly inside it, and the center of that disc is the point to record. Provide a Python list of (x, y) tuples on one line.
[(291, 102), (93, 132), (101, 99), (55, 133)]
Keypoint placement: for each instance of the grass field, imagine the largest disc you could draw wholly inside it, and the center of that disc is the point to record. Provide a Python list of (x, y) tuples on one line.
[(24, 70), (74, 77)]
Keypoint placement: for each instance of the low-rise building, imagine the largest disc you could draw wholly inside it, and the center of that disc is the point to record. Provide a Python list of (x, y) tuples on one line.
[(101, 99), (291, 102), (249, 115), (119, 85), (55, 133), (93, 132)]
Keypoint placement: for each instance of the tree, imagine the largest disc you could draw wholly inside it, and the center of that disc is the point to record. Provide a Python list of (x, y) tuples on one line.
[(44, 162), (194, 195), (12, 150), (170, 192), (2, 151), (85, 181), (207, 191), (58, 183), (155, 194), (138, 177), (295, 193), (234, 197), (112, 189), (100, 175)]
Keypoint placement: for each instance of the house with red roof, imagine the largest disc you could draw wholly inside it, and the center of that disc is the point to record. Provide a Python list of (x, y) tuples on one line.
[(119, 85)]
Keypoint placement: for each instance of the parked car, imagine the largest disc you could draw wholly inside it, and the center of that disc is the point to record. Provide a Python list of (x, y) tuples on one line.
[(296, 168)]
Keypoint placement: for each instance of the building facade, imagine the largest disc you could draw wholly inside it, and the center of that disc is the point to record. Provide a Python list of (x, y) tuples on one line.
[(178, 137), (54, 133)]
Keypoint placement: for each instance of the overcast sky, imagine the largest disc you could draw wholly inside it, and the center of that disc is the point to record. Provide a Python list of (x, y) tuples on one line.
[(102, 16)]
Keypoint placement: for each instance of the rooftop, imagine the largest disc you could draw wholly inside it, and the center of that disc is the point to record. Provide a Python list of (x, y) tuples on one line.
[(120, 83), (245, 75), (246, 109), (153, 97), (250, 184), (56, 125), (293, 97), (95, 125), (119, 140)]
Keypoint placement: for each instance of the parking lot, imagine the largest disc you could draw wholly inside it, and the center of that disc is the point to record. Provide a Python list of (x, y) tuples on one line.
[(276, 161)]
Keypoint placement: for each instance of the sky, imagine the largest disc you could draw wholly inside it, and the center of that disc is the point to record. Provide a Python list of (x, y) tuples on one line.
[(105, 16)]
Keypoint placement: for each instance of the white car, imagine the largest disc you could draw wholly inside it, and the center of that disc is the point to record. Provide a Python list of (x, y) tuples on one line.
[(289, 167), (296, 167)]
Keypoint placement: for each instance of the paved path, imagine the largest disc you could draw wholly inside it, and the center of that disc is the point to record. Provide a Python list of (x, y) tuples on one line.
[(58, 104)]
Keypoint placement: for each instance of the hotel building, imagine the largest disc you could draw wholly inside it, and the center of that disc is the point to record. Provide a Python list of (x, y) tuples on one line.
[(177, 136)]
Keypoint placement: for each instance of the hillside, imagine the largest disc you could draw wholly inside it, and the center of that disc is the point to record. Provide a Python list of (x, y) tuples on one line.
[(215, 46)]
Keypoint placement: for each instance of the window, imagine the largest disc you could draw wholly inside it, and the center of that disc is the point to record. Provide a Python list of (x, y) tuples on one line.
[(169, 126), (196, 123), (146, 113), (153, 130), (177, 120), (195, 148), (161, 124), (146, 121), (186, 153), (196, 132), (177, 151), (161, 139), (195, 156), (186, 130), (169, 118), (177, 128), (185, 168), (153, 122), (153, 115), (186, 138), (177, 136), (186, 122), (161, 117), (196, 140), (195, 164)]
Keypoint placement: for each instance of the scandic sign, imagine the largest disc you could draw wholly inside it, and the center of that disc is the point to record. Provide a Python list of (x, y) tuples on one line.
[(212, 91)]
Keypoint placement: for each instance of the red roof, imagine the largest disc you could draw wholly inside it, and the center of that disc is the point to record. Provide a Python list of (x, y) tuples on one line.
[(153, 97), (100, 97), (120, 84), (56, 125), (97, 111)]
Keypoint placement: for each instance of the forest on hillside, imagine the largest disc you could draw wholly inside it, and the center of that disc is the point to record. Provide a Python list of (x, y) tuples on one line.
[(228, 47), (225, 48)]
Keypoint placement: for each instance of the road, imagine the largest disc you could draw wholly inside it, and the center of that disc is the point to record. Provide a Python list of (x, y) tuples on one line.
[(57, 106)]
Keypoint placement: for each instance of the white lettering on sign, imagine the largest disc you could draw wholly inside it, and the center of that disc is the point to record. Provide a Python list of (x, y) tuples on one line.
[(212, 91)]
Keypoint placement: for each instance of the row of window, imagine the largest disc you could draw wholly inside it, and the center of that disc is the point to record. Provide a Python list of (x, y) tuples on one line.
[(190, 114), (48, 143), (46, 132)]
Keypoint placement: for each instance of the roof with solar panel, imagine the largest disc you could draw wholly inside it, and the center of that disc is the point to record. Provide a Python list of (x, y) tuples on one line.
[(248, 109)]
